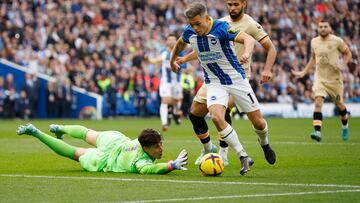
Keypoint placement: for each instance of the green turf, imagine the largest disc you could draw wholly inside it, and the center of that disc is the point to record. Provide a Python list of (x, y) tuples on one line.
[(305, 171)]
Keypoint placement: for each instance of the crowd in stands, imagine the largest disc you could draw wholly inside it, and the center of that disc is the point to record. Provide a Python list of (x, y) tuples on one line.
[(100, 45)]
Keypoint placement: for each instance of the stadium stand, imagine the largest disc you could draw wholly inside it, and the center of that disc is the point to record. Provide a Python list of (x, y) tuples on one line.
[(99, 45)]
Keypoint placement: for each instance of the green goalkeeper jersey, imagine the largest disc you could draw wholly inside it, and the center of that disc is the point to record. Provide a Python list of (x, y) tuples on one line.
[(117, 153), (130, 157)]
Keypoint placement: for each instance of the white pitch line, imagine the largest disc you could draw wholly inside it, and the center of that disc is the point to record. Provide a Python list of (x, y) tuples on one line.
[(181, 181), (243, 196)]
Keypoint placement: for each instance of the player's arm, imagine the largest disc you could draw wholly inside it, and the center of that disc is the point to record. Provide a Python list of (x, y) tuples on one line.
[(154, 60), (188, 57), (147, 167), (347, 57), (248, 42), (159, 168), (179, 47), (307, 68), (270, 59)]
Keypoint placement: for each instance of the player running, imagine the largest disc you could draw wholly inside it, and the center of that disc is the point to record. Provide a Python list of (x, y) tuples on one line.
[(170, 86), (326, 50), (237, 20), (212, 40)]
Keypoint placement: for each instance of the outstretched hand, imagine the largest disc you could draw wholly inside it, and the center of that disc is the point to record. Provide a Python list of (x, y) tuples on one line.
[(180, 161), (180, 60), (265, 76), (244, 58), (175, 67)]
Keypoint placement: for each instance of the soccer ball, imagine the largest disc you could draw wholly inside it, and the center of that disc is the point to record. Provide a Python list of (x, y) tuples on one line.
[(211, 164)]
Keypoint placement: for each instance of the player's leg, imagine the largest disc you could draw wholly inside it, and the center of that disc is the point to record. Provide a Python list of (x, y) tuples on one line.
[(261, 129), (198, 111), (317, 118), (197, 118), (344, 120), (177, 111), (218, 98), (320, 93), (58, 146), (177, 98), (166, 100), (336, 92), (224, 147), (75, 131), (164, 112)]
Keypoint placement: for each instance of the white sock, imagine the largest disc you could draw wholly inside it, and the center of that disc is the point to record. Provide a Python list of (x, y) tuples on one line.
[(230, 136), (263, 135), (163, 113), (345, 126)]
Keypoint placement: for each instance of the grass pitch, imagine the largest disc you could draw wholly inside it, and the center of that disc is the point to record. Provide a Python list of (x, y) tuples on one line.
[(305, 171)]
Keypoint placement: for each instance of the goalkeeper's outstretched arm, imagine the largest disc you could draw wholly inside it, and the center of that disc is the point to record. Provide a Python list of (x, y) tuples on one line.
[(163, 168)]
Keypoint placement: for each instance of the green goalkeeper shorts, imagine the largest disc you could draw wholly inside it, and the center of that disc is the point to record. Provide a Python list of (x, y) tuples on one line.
[(95, 159)]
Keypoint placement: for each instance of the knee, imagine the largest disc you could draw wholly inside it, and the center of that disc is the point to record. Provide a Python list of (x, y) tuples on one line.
[(318, 103), (259, 124), (217, 118)]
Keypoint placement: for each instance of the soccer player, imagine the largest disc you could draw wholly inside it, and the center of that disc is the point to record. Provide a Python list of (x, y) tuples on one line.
[(170, 86), (213, 41), (113, 151), (238, 20), (326, 50)]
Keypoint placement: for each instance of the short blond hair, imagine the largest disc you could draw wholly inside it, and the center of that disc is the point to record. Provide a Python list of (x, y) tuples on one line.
[(195, 9)]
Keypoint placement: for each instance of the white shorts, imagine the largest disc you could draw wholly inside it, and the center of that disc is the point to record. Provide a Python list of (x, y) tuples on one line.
[(242, 92), (171, 90)]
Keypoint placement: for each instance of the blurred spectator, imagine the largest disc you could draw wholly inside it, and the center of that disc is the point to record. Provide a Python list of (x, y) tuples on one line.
[(9, 82), (23, 107), (9, 103), (188, 85), (112, 97), (64, 97), (51, 101), (31, 88), (2, 96), (140, 95), (284, 98)]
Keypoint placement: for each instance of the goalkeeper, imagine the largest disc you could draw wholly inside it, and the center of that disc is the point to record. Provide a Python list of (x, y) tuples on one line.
[(114, 151)]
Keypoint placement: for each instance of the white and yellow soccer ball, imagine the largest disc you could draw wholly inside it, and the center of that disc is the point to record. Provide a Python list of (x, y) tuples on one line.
[(211, 164)]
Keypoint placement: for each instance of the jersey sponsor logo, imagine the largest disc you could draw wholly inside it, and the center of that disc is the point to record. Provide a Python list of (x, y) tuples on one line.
[(131, 149), (209, 56), (213, 41)]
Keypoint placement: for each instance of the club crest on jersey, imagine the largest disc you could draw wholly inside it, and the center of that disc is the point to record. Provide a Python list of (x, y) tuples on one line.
[(213, 98), (213, 41)]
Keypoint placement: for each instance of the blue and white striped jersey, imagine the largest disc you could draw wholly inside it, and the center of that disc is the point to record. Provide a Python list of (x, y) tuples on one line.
[(167, 76), (216, 53)]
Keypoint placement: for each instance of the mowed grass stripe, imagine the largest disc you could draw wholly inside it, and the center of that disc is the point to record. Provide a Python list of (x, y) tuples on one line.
[(181, 181), (244, 196)]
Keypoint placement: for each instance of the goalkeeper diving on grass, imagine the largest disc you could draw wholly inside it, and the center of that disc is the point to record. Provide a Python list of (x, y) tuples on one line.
[(112, 151)]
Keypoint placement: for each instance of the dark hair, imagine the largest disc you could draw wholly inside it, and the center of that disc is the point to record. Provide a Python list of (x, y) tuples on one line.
[(172, 35), (149, 137), (195, 9)]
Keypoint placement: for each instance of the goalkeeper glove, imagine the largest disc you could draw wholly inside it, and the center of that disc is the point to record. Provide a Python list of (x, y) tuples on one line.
[(180, 161)]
